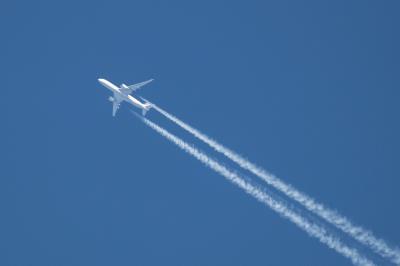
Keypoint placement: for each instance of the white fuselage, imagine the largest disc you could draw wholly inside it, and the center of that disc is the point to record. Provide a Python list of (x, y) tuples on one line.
[(121, 96)]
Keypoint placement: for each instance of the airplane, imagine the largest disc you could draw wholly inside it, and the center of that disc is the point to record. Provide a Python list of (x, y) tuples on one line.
[(122, 93)]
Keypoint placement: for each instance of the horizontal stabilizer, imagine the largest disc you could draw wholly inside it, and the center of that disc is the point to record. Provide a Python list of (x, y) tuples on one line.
[(146, 108)]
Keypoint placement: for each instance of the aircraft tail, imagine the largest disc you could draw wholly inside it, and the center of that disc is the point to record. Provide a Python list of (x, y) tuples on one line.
[(147, 107)]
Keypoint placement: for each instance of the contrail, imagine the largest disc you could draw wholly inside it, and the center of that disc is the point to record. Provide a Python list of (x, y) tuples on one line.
[(357, 232), (312, 229)]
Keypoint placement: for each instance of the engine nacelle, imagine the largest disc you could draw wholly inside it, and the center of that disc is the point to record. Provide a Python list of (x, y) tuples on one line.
[(111, 99)]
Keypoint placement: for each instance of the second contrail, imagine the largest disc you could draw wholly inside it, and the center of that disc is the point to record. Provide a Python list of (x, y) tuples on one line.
[(357, 232), (311, 229)]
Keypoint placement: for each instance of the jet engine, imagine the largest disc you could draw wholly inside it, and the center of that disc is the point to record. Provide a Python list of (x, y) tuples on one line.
[(111, 99)]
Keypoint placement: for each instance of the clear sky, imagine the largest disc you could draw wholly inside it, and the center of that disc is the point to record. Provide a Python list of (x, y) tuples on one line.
[(306, 89)]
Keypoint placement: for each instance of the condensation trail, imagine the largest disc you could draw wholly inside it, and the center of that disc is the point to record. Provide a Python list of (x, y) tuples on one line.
[(357, 232), (311, 229)]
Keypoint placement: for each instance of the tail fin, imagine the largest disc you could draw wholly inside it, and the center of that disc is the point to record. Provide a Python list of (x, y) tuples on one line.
[(147, 107)]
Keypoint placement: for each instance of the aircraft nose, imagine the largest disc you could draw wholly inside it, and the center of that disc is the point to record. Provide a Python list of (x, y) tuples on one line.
[(102, 81)]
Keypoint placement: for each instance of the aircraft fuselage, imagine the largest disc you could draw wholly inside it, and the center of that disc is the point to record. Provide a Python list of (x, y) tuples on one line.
[(121, 96)]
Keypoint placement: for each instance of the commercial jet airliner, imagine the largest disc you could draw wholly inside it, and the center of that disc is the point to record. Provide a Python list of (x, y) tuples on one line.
[(122, 93)]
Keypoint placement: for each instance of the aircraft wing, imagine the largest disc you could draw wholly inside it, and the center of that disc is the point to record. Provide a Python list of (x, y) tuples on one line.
[(129, 89), (116, 102)]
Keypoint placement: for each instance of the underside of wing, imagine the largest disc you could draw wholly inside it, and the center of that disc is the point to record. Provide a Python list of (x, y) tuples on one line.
[(129, 89), (116, 103), (115, 108)]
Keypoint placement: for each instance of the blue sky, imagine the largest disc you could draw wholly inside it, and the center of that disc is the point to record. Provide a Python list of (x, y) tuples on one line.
[(307, 90)]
